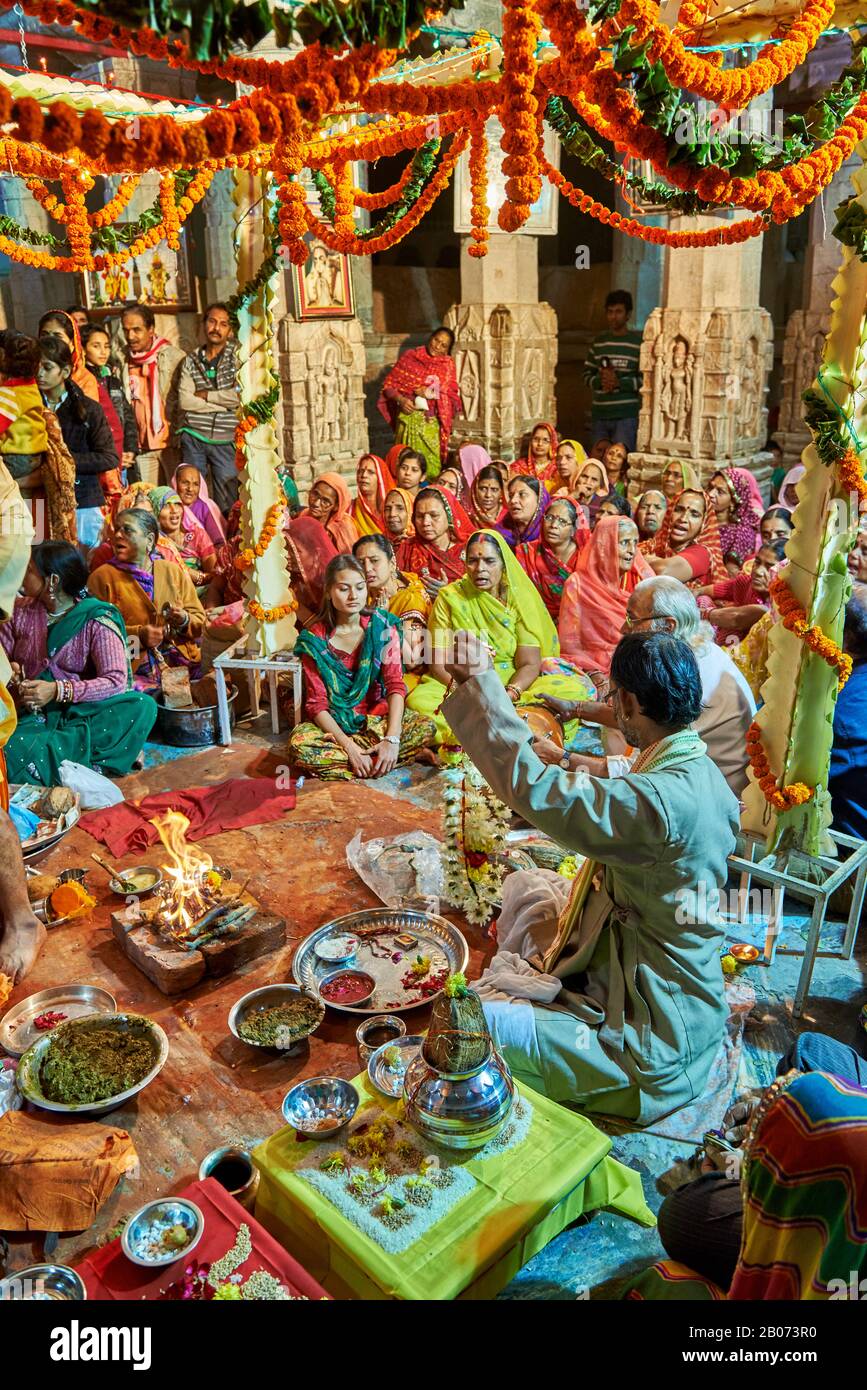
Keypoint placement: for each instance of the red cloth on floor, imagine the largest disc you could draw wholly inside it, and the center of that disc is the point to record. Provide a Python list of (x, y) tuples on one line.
[(230, 805), (108, 1274)]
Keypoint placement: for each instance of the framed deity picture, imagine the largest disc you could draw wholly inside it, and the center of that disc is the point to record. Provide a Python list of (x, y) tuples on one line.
[(322, 286), (159, 277), (543, 213)]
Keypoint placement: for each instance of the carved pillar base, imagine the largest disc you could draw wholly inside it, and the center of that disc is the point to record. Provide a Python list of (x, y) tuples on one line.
[(804, 345), (505, 347), (321, 367), (704, 378)]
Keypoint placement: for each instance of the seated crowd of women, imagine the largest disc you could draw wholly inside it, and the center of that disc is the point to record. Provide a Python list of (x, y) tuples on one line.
[(540, 556)]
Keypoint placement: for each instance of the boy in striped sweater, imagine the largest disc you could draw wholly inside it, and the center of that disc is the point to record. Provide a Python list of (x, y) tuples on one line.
[(612, 372)]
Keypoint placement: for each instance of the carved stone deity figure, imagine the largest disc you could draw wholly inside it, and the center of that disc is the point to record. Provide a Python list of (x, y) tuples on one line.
[(330, 393), (675, 402), (750, 389)]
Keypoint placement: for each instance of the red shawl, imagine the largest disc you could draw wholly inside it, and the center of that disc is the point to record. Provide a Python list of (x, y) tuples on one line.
[(595, 598), (416, 373), (310, 548), (547, 572), (416, 556), (528, 468), (708, 536)]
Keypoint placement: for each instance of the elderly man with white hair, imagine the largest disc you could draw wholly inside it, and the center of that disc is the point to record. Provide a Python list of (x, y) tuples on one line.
[(663, 604)]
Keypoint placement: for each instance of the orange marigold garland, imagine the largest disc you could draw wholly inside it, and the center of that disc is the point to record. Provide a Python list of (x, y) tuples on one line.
[(479, 189), (242, 429), (851, 474), (375, 202), (344, 220), (519, 113), (111, 210), (168, 207), (244, 560), (794, 618), (785, 799), (270, 615), (76, 183)]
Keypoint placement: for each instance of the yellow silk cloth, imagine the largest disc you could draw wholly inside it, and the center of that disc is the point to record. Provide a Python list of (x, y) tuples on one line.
[(524, 1196)]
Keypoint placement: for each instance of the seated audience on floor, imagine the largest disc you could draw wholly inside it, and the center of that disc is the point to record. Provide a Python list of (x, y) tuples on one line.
[(330, 503), (633, 1008), (470, 459), (775, 525), (649, 512), (596, 594), (190, 542), (496, 599), (452, 479), (527, 501), (541, 457), (676, 477), (157, 601), (486, 502), (616, 461), (356, 723), (72, 674), (614, 505), (847, 778), (403, 595), (135, 497), (373, 483), (734, 495), (550, 560), (411, 471), (778, 468), (788, 495), (741, 601), (571, 457), (441, 529), (687, 543), (309, 549)]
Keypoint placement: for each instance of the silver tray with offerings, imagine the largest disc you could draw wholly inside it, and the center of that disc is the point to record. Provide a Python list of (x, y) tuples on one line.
[(408, 955)]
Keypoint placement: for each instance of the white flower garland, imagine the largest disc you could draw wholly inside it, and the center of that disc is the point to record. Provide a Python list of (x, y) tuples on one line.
[(474, 822)]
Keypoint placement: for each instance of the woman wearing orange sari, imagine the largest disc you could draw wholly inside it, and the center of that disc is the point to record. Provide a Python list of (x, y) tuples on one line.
[(57, 321), (687, 544), (541, 460), (330, 503), (594, 602), (374, 482)]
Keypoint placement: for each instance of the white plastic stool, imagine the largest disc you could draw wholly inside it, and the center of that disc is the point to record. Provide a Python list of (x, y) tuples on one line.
[(281, 663)]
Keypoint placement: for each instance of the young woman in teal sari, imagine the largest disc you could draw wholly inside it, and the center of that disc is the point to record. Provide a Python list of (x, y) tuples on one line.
[(354, 691), (497, 601), (73, 681)]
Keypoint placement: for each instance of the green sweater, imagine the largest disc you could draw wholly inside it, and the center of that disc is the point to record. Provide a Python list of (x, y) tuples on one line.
[(622, 351)]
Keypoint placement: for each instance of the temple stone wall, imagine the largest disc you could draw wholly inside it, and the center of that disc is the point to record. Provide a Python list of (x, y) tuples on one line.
[(321, 366)]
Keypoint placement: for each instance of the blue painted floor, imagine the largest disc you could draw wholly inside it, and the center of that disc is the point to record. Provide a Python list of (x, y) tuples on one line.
[(591, 1258)]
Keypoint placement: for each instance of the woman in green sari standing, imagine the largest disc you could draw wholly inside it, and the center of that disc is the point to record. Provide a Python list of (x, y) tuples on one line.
[(72, 675), (498, 602)]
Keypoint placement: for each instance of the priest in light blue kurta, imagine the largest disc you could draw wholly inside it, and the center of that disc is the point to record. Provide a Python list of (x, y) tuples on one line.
[(630, 967)]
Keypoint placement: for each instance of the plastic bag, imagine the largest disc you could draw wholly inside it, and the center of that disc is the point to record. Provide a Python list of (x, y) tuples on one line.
[(403, 871), (96, 791), (10, 1096)]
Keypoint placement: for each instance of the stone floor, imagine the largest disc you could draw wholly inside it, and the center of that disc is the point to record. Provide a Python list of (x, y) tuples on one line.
[(211, 1092)]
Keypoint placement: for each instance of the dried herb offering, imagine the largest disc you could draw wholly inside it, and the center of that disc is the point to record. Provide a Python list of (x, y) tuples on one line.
[(89, 1064)]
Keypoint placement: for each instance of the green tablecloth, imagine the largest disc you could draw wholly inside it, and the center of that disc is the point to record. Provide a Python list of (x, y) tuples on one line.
[(523, 1198)]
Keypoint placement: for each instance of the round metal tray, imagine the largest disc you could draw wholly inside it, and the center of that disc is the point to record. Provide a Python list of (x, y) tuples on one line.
[(17, 1031), (430, 931), (30, 1066)]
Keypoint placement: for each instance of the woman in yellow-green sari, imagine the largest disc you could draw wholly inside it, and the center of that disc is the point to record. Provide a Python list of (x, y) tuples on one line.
[(496, 600)]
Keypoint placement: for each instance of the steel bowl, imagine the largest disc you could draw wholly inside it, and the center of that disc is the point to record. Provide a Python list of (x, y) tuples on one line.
[(116, 886), (175, 1209), (17, 1032), (320, 1098), (242, 1183), (28, 1075), (44, 1283), (347, 970), (265, 998), (376, 1023), (194, 726)]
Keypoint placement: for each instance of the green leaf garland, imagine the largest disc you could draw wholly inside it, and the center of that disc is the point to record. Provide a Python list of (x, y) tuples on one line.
[(122, 234), (423, 162)]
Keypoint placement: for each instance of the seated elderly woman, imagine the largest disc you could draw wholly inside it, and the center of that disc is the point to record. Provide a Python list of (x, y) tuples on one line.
[(595, 595), (192, 488), (403, 595), (497, 601), (571, 457), (189, 540), (373, 484), (157, 600), (552, 558), (397, 515), (73, 679), (687, 544), (354, 692), (487, 497)]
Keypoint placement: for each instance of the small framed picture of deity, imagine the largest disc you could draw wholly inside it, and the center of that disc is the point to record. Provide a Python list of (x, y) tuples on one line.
[(159, 277), (322, 286)]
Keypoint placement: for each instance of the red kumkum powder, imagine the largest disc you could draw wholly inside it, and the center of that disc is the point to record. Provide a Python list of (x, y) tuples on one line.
[(347, 988)]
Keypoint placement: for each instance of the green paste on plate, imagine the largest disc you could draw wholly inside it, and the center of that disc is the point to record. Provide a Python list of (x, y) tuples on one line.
[(281, 1024), (91, 1064)]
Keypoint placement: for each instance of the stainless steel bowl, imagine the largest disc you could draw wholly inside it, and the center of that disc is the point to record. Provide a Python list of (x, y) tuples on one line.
[(28, 1075), (44, 1283), (116, 886), (266, 998), (320, 1098), (390, 1024), (347, 970), (459, 1110), (179, 1212)]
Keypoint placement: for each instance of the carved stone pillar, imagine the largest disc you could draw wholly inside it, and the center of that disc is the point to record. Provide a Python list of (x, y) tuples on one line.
[(807, 328), (505, 346), (705, 359), (321, 366)]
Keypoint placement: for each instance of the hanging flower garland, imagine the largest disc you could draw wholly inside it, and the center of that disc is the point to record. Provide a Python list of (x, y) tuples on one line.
[(479, 211), (76, 184), (475, 824), (421, 168), (782, 799), (375, 202), (168, 207), (518, 113), (794, 619), (270, 615), (246, 558)]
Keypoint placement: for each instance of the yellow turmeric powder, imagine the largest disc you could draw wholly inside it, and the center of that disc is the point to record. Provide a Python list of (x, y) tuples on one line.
[(70, 900)]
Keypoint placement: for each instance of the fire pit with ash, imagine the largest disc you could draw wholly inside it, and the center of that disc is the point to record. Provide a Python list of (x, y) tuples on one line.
[(199, 923)]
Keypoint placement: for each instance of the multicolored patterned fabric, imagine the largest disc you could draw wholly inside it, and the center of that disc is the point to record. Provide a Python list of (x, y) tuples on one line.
[(708, 537), (315, 753), (345, 688), (740, 536)]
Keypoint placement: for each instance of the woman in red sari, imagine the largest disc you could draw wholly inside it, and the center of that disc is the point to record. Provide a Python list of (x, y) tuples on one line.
[(687, 544), (541, 460), (374, 482), (329, 502), (420, 398), (552, 558), (442, 528)]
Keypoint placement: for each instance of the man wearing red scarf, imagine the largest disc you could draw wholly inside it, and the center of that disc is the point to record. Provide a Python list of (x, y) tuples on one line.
[(151, 374)]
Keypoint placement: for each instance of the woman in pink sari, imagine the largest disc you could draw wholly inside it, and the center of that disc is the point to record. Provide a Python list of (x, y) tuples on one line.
[(595, 595), (420, 398), (192, 488)]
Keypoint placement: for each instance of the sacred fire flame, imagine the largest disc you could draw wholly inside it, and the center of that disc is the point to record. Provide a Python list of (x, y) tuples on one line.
[(189, 875)]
